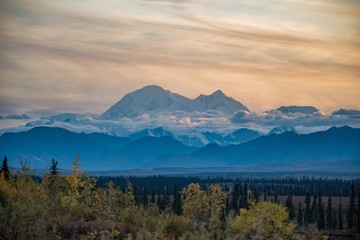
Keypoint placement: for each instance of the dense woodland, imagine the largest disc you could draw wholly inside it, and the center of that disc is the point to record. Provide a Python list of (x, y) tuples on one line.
[(77, 206)]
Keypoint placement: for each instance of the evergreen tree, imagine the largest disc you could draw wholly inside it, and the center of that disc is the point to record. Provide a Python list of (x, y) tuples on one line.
[(145, 200), (321, 214), (340, 219), (352, 208), (334, 220), (329, 211), (256, 195), (153, 197), (177, 200), (5, 168), (245, 203), (158, 200), (299, 215), (54, 169), (276, 200), (235, 197), (290, 207), (307, 218), (358, 213), (227, 205), (314, 210)]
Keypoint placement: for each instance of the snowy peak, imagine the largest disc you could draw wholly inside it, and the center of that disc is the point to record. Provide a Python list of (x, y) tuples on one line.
[(282, 129), (155, 132), (241, 135), (298, 109), (147, 100), (217, 101), (152, 100)]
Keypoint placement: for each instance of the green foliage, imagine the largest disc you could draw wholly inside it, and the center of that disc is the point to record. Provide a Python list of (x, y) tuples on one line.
[(5, 169), (53, 168), (263, 220)]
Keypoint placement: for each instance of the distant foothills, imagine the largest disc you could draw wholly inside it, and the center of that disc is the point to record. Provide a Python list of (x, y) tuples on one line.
[(336, 149), (153, 128)]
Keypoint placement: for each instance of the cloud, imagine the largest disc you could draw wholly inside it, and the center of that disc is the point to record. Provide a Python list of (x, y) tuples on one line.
[(306, 122), (15, 116), (347, 112), (83, 56)]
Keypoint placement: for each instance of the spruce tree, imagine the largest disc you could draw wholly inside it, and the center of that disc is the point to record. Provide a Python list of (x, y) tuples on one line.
[(227, 205), (245, 199), (177, 201), (340, 217), (235, 197), (290, 207), (307, 218), (256, 196), (314, 210), (276, 200), (265, 197), (300, 215), (352, 208), (54, 169), (358, 213), (153, 196), (145, 199), (5, 168), (334, 220), (329, 211), (321, 215)]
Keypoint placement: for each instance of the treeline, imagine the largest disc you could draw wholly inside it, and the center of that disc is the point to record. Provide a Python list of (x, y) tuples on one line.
[(269, 186), (77, 206)]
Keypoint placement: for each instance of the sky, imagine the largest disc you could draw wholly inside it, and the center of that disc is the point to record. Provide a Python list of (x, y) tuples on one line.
[(83, 56)]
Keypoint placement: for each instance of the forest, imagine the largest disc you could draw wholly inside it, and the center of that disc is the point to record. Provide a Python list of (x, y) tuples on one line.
[(79, 206)]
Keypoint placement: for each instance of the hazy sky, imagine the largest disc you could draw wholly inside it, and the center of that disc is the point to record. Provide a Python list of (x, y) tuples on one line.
[(83, 56)]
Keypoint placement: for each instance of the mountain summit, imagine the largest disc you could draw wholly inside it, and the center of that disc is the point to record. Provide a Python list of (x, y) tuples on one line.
[(154, 99)]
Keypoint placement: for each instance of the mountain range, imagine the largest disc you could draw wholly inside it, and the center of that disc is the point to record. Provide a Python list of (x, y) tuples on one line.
[(192, 121), (155, 128), (334, 149)]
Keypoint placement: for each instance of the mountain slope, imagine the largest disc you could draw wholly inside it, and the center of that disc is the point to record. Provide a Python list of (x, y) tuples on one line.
[(139, 152), (217, 101), (282, 129), (39, 145), (240, 136), (154, 132), (153, 99), (147, 100), (335, 144), (97, 151)]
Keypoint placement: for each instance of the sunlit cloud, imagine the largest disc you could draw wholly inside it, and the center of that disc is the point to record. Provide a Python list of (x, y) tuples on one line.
[(83, 56)]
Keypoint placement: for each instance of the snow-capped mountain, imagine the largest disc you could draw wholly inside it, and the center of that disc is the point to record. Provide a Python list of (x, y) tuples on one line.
[(282, 129), (200, 139), (217, 101), (147, 100), (240, 136), (297, 109), (153, 99), (208, 118), (154, 132)]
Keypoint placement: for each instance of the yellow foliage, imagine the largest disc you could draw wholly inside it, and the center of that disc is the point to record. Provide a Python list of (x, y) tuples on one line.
[(263, 220)]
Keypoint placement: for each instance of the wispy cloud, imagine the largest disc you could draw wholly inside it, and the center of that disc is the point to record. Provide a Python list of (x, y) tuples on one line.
[(84, 55)]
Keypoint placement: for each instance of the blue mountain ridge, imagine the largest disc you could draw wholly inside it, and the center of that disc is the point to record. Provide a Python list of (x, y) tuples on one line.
[(336, 148)]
